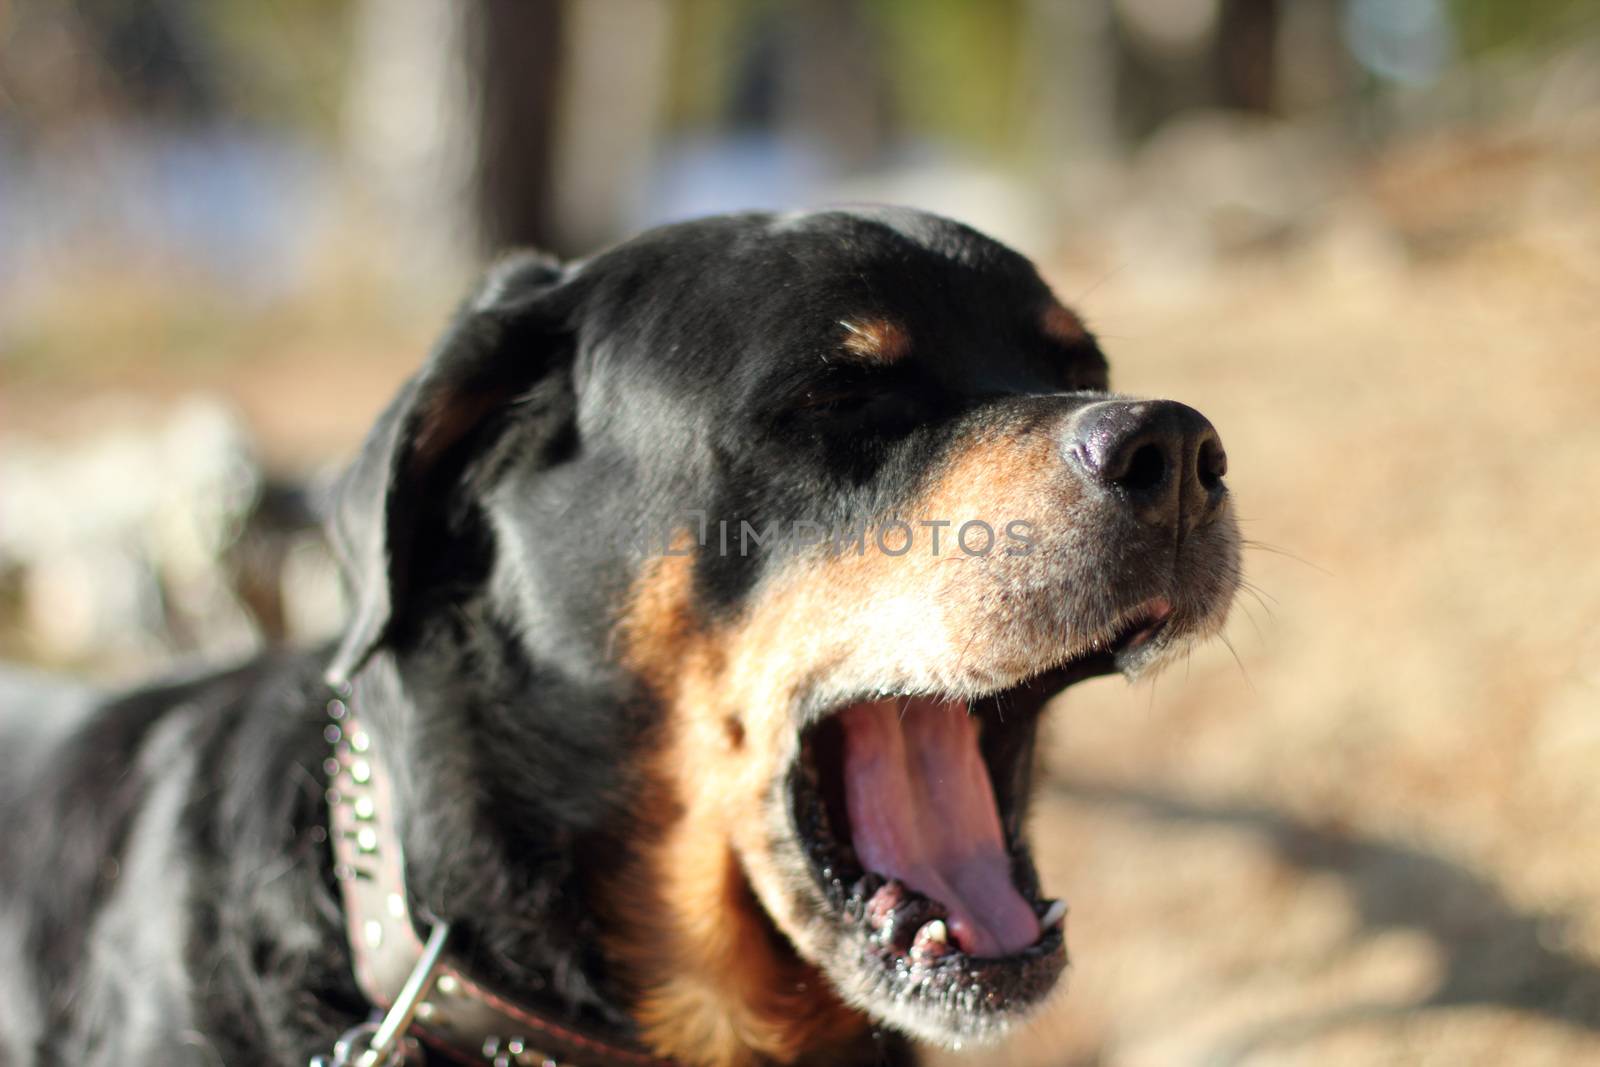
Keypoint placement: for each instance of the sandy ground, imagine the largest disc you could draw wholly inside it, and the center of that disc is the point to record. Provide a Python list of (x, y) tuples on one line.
[(1374, 836), (1367, 834)]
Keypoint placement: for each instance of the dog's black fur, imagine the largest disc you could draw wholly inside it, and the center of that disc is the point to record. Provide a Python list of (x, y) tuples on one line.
[(166, 895)]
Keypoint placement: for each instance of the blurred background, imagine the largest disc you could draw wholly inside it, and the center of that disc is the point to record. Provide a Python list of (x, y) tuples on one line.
[(1362, 235)]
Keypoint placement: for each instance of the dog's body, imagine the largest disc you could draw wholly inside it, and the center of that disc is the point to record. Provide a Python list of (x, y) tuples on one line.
[(649, 773), (163, 900)]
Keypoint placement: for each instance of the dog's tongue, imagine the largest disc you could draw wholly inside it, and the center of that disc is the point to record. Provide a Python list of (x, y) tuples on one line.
[(922, 810)]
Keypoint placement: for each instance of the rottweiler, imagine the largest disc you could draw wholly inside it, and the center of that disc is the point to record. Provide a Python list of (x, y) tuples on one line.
[(706, 594)]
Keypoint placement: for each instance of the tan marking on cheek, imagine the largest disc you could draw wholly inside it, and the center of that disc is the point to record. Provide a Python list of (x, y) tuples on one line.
[(659, 629), (876, 340), (913, 615), (1062, 325), (1001, 476), (716, 986)]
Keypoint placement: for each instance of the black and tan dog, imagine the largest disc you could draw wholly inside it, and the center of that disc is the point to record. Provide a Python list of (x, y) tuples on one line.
[(707, 593)]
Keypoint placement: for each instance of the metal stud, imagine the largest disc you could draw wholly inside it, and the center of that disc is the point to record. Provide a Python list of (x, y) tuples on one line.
[(513, 1052)]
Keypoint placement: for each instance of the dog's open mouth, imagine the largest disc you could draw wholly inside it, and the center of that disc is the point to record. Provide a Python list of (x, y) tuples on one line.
[(910, 811)]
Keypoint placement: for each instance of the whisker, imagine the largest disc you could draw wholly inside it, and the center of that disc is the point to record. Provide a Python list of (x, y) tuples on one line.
[(1107, 276), (1262, 546), (1234, 652), (1248, 614), (1263, 606), (1261, 597), (1246, 583)]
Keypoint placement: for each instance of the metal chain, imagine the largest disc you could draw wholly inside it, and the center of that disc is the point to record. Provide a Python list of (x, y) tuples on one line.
[(384, 1043)]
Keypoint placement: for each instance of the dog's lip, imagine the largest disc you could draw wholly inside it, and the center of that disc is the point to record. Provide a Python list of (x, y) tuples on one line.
[(1122, 645), (911, 929), (929, 961), (1140, 626), (1116, 646)]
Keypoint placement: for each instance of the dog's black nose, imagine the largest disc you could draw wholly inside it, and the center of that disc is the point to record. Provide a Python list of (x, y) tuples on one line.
[(1163, 458)]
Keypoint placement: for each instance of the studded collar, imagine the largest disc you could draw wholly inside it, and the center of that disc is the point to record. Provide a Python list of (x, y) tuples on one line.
[(428, 1000)]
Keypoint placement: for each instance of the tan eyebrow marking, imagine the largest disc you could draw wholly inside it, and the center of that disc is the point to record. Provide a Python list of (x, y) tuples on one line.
[(876, 340), (1060, 324)]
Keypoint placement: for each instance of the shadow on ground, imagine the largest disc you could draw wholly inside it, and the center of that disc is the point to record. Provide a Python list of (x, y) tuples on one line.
[(1492, 953)]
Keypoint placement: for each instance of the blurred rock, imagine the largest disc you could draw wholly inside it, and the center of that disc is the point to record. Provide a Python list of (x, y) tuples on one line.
[(159, 535)]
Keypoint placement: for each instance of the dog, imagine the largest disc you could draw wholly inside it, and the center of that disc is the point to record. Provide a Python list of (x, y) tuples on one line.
[(706, 597)]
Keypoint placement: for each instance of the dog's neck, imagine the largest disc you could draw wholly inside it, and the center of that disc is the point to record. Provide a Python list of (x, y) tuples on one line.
[(497, 825), (421, 989), (506, 827)]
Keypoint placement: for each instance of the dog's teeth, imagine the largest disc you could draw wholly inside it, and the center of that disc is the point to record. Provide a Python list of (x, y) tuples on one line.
[(932, 941), (1054, 914)]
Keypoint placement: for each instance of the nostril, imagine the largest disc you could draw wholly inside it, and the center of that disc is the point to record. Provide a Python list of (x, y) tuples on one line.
[(1146, 469), (1161, 461), (1213, 464)]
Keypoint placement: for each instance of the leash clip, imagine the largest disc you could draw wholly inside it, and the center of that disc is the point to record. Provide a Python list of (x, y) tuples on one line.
[(384, 1043)]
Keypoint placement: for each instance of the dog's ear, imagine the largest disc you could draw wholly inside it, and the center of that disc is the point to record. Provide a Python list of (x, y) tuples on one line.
[(510, 346)]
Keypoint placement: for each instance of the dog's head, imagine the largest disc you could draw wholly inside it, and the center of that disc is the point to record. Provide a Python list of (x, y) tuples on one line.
[(832, 504)]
